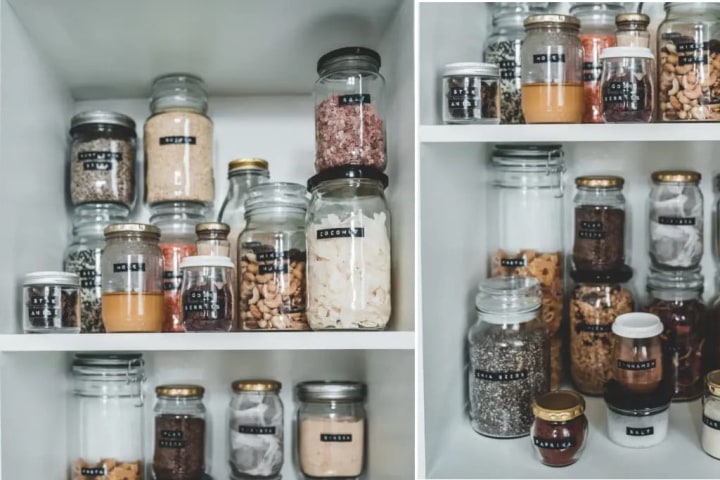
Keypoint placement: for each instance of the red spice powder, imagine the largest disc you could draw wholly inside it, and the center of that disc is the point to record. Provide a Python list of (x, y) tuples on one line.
[(593, 45), (173, 255)]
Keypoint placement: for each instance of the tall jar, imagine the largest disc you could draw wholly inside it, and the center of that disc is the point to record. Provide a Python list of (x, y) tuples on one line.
[(676, 220), (256, 435), (637, 352), (688, 44), (711, 346), (349, 110), (179, 142), (552, 76), (628, 85), (347, 231), (107, 430), (177, 222), (509, 357), (631, 30), (208, 293), (676, 298), (180, 445), (332, 429), (711, 415), (272, 255), (84, 254), (132, 266), (212, 239)]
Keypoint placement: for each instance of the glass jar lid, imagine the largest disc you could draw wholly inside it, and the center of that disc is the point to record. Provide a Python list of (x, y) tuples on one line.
[(198, 261), (256, 386), (347, 172), (671, 285), (178, 91), (182, 391), (349, 57), (637, 325), (101, 117), (676, 176), (712, 380), (630, 19), (626, 52), (98, 215), (119, 229), (621, 275), (552, 20), (559, 406), (242, 164), (222, 229), (509, 295), (583, 9), (474, 69), (52, 278), (319, 391), (600, 181), (276, 195), (523, 157), (109, 365)]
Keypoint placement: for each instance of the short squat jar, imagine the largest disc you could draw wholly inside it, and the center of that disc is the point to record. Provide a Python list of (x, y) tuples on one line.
[(637, 352), (637, 420), (208, 293), (711, 415), (212, 239), (560, 428), (627, 85), (471, 93), (51, 302)]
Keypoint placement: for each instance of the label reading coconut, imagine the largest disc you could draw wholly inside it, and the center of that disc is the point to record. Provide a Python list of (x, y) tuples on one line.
[(171, 280), (336, 437), (714, 424), (552, 58), (677, 221), (594, 328), (512, 262), (345, 232), (354, 99), (92, 472), (178, 140), (639, 432), (500, 376), (553, 444), (201, 301), (251, 430), (646, 365), (89, 278), (509, 69)]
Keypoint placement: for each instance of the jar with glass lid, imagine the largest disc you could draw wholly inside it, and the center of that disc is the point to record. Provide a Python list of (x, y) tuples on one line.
[(332, 429), (179, 142), (132, 271), (628, 85), (631, 30), (710, 437), (350, 109), (106, 430), (212, 239), (208, 293), (272, 255), (348, 250)]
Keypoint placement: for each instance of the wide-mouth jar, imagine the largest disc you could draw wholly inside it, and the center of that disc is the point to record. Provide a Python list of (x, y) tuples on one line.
[(51, 302), (627, 85), (471, 93), (208, 293), (560, 428)]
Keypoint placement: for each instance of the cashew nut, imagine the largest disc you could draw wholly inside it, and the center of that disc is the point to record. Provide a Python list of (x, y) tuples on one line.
[(675, 87)]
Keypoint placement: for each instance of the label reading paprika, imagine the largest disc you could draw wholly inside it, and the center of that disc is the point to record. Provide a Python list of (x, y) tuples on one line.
[(553, 444)]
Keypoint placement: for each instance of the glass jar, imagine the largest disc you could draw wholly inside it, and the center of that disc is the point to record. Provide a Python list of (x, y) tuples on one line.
[(243, 174), (102, 158), (711, 415), (349, 109), (597, 32), (256, 430), (332, 429), (272, 254), (470, 93), (179, 142), (347, 231), (637, 352), (132, 266), (560, 428), (180, 433), (676, 220), (637, 420), (84, 257), (208, 293), (177, 222), (106, 427), (509, 357), (595, 302), (632, 30), (212, 239), (552, 76), (711, 346), (676, 298), (628, 85), (688, 44), (52, 302), (525, 220), (599, 240)]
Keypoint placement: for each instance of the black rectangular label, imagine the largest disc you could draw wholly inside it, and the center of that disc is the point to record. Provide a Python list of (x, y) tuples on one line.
[(500, 376), (462, 92), (591, 225), (273, 255), (43, 312), (552, 58), (512, 262), (591, 66), (92, 472), (103, 156), (171, 443), (594, 328), (591, 76), (171, 434), (250, 430), (43, 301), (507, 64), (639, 432), (172, 285), (508, 74), (714, 424), (697, 59), (128, 267), (646, 365), (463, 103), (553, 444), (88, 278), (677, 221), (340, 233), (354, 99), (336, 437), (692, 47), (97, 166), (178, 140), (591, 235), (273, 268)]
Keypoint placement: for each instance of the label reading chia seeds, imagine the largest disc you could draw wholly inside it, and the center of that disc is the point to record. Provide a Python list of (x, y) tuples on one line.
[(500, 376)]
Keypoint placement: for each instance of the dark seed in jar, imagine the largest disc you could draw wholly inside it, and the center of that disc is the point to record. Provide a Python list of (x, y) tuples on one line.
[(478, 102), (103, 170), (86, 263), (599, 244), (506, 55)]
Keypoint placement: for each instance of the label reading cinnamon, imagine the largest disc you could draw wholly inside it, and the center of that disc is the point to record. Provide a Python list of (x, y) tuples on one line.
[(552, 444), (646, 365), (512, 262), (354, 99), (336, 437), (92, 472), (552, 58), (677, 221), (178, 140), (639, 432), (714, 424), (252, 430), (340, 233), (500, 376)]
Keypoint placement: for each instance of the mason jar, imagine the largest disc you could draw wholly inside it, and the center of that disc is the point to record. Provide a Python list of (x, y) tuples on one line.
[(51, 302), (347, 230), (509, 357), (349, 110), (710, 437), (632, 30), (637, 352), (332, 429), (132, 270), (272, 255), (470, 93), (106, 430), (552, 76), (208, 293), (212, 239), (627, 85), (179, 142)]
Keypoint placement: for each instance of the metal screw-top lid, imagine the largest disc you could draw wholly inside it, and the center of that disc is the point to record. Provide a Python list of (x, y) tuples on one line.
[(564, 21), (600, 181), (365, 56), (247, 164), (318, 391), (628, 19), (676, 176), (132, 228), (509, 295), (179, 391), (212, 227), (256, 386), (559, 406), (637, 325), (478, 69), (102, 117), (712, 380), (52, 278)]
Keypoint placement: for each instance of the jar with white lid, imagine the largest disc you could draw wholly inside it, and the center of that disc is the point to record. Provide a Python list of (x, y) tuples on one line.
[(208, 293), (637, 352), (471, 93), (51, 302), (710, 437), (627, 85), (212, 239), (632, 30)]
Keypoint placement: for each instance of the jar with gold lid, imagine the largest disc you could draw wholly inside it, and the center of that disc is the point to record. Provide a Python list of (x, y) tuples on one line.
[(560, 427), (212, 239), (711, 415), (632, 30)]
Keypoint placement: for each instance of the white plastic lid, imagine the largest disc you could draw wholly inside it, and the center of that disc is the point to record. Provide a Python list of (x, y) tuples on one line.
[(52, 278), (471, 68), (637, 325), (206, 261), (626, 52)]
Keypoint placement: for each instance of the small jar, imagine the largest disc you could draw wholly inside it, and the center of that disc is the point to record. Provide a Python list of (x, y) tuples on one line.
[(560, 428), (552, 76), (509, 357), (332, 429), (676, 298), (102, 158), (272, 255), (632, 30), (596, 301), (212, 239), (256, 430), (51, 302), (711, 415), (347, 231), (349, 110), (637, 420), (180, 433), (132, 266), (470, 93), (637, 352), (599, 240), (628, 85), (179, 142), (676, 220), (208, 293)]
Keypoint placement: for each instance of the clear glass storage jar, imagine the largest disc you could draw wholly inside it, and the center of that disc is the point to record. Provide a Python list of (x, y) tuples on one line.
[(470, 93), (106, 430), (102, 158), (710, 437), (637, 352), (208, 293), (676, 220), (256, 434), (509, 357), (688, 46), (212, 239), (560, 428), (637, 420), (180, 446), (632, 30), (51, 302), (347, 231), (179, 142), (628, 85), (711, 332), (552, 76), (132, 269), (332, 429), (272, 255), (349, 110)]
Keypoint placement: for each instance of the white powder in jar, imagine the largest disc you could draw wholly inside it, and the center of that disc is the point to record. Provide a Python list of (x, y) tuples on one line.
[(711, 428), (332, 447), (637, 431)]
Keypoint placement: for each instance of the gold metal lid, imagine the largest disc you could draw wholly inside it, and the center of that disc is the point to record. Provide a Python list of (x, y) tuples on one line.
[(256, 386), (212, 227), (567, 21), (600, 181), (179, 391), (139, 228), (712, 380), (559, 406), (676, 176), (247, 163), (628, 18)]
